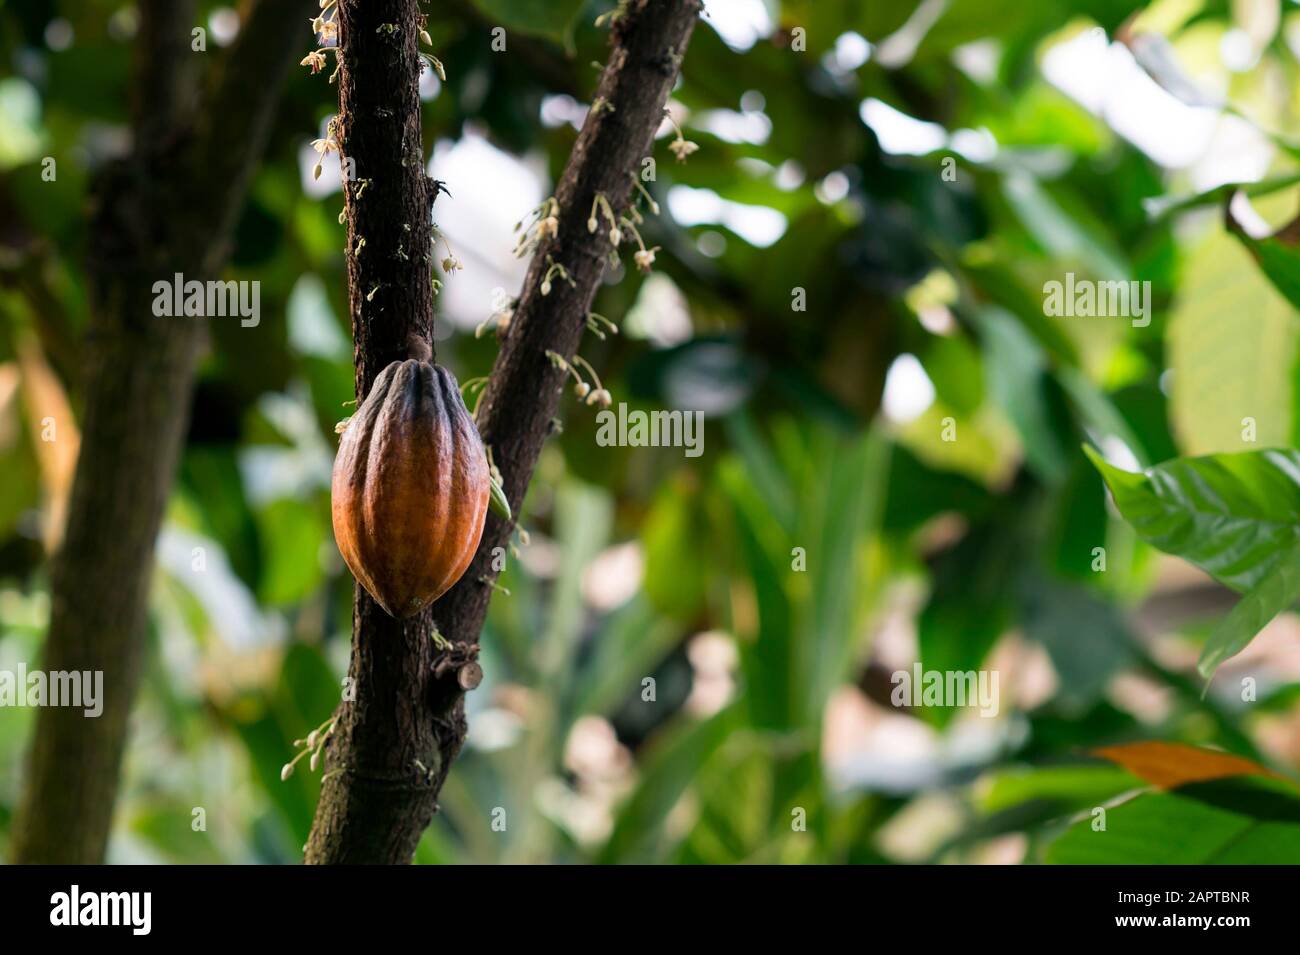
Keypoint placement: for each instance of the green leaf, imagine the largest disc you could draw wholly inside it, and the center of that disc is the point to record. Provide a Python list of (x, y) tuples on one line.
[(1280, 262), (167, 827), (1062, 232), (953, 364), (1058, 789), (808, 619), (1233, 515), (1099, 413), (1275, 592), (1084, 635), (292, 533), (762, 468), (676, 760), (305, 696), (1232, 344), (768, 660), (677, 570), (582, 519), (630, 646), (845, 504), (969, 604), (734, 807), (825, 21), (1017, 371), (552, 19), (1231, 822)]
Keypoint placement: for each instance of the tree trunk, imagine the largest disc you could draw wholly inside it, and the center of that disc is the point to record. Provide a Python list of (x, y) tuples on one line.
[(169, 207), (379, 799), (394, 744)]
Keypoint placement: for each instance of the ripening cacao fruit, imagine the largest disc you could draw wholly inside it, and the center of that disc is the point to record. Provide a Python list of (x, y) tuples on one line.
[(411, 487)]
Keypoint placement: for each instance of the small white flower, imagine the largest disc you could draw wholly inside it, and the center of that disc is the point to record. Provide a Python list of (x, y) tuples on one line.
[(286, 772), (582, 389), (548, 227), (546, 287), (315, 59), (615, 237), (681, 148), (645, 258), (592, 224), (451, 264), (599, 397)]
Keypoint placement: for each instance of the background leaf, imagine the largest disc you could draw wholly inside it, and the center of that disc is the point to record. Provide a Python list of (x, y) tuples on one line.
[(1233, 515)]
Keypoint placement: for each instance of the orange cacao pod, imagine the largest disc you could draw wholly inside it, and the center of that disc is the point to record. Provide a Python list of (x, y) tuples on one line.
[(410, 488)]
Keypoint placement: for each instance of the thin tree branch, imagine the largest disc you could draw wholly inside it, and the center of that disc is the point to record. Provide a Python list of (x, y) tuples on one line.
[(376, 799)]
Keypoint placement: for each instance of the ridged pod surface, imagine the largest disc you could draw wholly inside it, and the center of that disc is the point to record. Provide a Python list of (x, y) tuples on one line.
[(410, 488)]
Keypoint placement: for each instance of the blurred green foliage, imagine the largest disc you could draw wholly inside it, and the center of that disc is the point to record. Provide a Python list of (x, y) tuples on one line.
[(693, 661)]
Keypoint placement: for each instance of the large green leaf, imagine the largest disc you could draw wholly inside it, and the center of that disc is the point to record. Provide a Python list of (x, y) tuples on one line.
[(1020, 799), (1232, 515), (1221, 823), (1232, 345)]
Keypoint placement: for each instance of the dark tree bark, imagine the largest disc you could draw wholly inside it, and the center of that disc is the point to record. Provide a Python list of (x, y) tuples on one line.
[(387, 734), (169, 207), (394, 745)]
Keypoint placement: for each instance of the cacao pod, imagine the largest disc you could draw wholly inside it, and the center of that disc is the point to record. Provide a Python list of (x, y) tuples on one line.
[(410, 488)]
